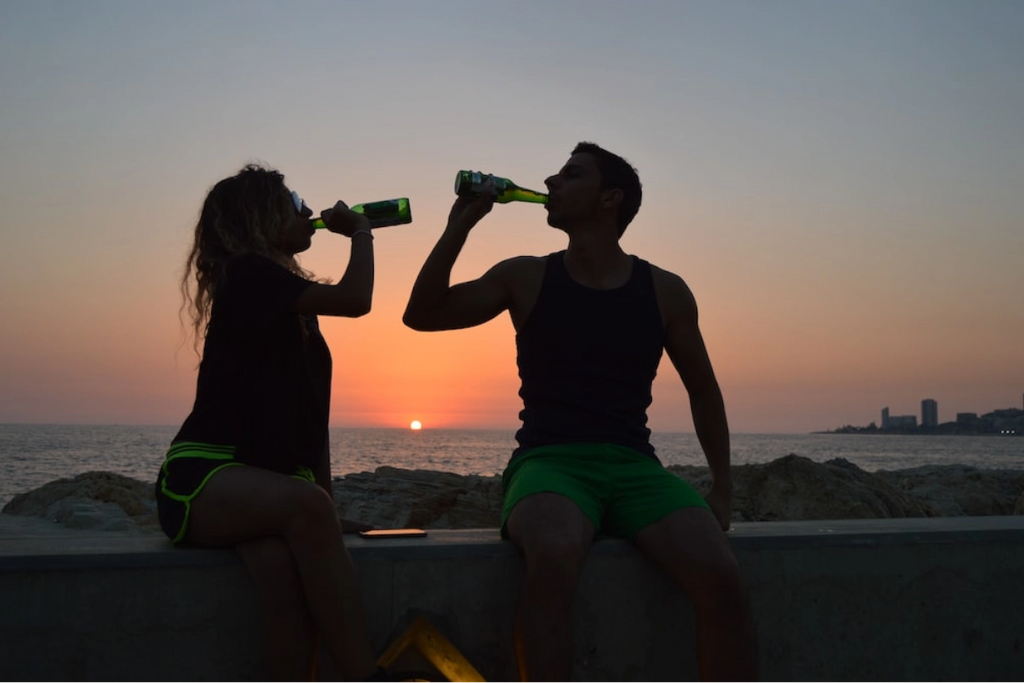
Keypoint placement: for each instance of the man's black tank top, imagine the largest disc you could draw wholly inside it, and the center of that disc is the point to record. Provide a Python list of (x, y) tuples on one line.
[(587, 359)]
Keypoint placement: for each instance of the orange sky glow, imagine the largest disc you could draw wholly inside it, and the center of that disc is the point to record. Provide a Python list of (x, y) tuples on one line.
[(838, 184)]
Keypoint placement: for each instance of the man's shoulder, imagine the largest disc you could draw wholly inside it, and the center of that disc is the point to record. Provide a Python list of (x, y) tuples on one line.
[(672, 291), (520, 266), (665, 278), (522, 278), (528, 260)]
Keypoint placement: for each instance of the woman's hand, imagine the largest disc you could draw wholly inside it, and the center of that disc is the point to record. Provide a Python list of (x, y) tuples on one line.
[(342, 220), (354, 526)]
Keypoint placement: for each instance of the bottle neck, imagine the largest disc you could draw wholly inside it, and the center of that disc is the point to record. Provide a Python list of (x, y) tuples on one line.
[(472, 184), (521, 194)]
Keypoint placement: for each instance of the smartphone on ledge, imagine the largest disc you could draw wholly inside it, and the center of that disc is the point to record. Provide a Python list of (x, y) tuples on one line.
[(392, 533)]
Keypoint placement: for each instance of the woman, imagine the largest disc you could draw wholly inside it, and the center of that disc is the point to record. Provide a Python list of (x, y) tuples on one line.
[(250, 467)]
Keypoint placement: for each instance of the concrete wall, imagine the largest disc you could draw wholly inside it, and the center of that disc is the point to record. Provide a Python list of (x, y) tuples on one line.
[(922, 599)]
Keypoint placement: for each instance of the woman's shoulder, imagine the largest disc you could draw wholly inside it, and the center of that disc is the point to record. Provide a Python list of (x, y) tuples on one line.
[(252, 275), (253, 264), (257, 289), (250, 259)]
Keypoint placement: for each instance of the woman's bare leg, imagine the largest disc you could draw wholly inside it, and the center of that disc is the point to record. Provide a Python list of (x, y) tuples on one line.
[(287, 632), (240, 504)]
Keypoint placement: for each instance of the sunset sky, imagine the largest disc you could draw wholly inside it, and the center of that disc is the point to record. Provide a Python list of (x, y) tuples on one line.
[(840, 183)]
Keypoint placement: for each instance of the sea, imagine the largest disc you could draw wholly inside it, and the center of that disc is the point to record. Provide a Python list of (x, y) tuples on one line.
[(32, 455)]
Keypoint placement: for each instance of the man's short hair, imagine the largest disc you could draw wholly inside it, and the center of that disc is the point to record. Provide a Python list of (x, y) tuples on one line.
[(619, 174)]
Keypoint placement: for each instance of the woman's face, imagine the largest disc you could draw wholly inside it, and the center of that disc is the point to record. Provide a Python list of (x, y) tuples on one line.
[(297, 231)]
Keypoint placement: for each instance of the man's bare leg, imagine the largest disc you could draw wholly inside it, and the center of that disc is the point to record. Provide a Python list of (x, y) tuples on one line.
[(691, 547), (555, 537)]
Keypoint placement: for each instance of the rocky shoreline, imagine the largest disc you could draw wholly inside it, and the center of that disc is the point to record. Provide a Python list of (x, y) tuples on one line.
[(788, 488)]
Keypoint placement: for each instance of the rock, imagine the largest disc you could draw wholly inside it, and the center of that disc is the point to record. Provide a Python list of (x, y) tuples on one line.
[(794, 488), (94, 500), (959, 490), (789, 488), (396, 498)]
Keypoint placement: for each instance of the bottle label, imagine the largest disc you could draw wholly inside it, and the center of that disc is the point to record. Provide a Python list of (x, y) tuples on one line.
[(388, 207), (472, 183)]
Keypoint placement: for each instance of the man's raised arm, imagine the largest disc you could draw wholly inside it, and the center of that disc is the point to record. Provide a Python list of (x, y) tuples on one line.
[(434, 303)]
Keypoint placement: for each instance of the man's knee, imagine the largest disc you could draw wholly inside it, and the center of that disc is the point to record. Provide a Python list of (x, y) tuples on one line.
[(719, 587), (550, 527), (555, 547)]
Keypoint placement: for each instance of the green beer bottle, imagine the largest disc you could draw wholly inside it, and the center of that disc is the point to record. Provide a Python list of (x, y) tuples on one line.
[(470, 184), (381, 214)]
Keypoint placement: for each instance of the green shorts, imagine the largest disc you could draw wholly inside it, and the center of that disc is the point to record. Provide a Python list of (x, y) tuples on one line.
[(621, 491), (184, 473)]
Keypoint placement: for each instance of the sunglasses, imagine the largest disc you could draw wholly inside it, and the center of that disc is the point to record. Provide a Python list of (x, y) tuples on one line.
[(299, 202)]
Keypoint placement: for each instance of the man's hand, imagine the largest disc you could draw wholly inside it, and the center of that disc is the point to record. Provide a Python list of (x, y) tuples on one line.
[(720, 502), (468, 211)]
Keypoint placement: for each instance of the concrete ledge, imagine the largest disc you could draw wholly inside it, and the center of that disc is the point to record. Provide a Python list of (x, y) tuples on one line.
[(912, 599)]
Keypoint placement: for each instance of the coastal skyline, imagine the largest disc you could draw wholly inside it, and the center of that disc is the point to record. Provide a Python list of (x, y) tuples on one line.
[(1006, 420), (839, 184)]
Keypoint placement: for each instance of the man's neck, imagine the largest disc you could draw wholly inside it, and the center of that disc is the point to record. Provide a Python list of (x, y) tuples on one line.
[(596, 260)]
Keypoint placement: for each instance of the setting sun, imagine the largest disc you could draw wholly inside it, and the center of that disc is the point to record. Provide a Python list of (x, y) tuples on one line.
[(415, 424)]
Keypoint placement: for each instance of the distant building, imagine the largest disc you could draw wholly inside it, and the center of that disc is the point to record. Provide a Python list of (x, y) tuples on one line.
[(1005, 421), (903, 422), (898, 421), (929, 413)]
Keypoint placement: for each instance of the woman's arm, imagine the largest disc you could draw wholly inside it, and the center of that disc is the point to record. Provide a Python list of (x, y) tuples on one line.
[(352, 296)]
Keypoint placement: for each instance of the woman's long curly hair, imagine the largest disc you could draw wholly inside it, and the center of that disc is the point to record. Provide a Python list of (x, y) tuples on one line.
[(245, 213)]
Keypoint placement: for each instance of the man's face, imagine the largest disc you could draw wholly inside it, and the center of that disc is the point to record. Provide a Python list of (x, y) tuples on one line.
[(574, 192)]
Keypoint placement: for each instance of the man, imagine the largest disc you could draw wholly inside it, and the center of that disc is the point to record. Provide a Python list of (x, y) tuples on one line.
[(591, 324)]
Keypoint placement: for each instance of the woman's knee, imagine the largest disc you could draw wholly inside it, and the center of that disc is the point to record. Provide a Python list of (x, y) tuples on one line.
[(312, 510)]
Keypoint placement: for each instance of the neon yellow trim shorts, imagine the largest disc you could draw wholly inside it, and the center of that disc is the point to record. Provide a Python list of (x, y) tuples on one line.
[(184, 473), (620, 490)]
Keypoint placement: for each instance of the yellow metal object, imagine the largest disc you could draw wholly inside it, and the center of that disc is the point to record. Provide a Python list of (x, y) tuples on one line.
[(420, 642)]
